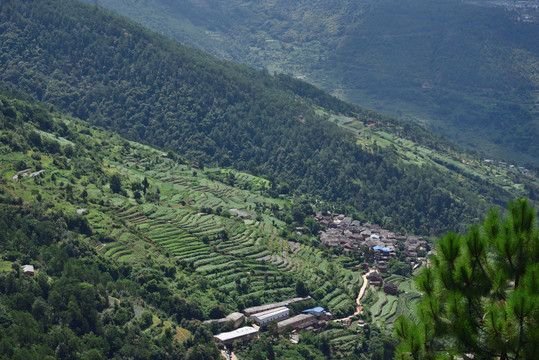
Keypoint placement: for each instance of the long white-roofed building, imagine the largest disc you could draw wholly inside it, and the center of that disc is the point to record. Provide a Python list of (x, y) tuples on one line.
[(243, 334), (258, 309), (266, 317)]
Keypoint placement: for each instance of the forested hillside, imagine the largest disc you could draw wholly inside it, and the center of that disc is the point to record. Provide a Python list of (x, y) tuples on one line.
[(78, 303), (131, 248), (469, 72), (118, 75), (148, 189)]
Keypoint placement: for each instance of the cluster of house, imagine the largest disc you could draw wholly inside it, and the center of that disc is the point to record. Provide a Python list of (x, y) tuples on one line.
[(521, 168), (264, 315), (343, 231)]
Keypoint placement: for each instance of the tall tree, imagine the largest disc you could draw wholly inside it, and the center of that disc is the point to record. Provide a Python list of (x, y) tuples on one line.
[(115, 183), (480, 293)]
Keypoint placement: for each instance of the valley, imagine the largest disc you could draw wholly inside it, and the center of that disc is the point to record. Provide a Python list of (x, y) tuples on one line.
[(154, 199), (222, 243)]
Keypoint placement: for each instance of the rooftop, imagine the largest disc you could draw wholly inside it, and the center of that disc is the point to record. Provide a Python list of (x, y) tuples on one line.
[(270, 313), (316, 309), (261, 308), (294, 320), (234, 316), (246, 330)]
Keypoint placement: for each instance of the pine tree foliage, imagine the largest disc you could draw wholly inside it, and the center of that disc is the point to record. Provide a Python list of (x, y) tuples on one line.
[(480, 293)]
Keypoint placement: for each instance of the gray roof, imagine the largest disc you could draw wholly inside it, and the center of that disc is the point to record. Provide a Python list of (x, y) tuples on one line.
[(256, 309), (234, 316), (293, 320)]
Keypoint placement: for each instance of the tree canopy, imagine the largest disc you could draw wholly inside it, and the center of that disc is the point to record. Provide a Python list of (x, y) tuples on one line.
[(116, 74), (480, 293)]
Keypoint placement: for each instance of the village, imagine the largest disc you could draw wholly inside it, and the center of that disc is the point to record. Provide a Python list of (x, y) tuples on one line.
[(351, 235)]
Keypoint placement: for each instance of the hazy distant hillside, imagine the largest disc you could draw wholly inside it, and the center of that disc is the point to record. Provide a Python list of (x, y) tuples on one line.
[(470, 72)]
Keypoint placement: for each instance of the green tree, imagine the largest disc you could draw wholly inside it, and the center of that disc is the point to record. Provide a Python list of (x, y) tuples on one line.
[(301, 289), (480, 293), (115, 183), (84, 195), (145, 184)]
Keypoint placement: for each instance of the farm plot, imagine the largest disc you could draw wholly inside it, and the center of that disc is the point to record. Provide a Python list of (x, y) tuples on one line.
[(388, 311), (342, 340), (223, 249), (406, 305)]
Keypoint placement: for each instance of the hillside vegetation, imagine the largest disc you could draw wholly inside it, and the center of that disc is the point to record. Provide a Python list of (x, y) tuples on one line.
[(133, 248), (469, 72), (116, 74)]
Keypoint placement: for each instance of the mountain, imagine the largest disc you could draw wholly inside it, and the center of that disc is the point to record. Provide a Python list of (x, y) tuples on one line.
[(463, 70), (116, 74), (133, 245), (132, 248)]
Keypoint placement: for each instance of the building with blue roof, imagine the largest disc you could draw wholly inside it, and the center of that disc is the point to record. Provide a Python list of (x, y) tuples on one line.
[(319, 312)]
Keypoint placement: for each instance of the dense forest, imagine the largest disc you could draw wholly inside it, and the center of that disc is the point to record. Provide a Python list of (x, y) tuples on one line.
[(79, 305), (118, 75), (463, 70), (64, 312)]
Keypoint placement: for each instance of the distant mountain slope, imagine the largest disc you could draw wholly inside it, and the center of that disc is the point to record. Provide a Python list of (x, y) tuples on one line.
[(469, 72), (117, 74)]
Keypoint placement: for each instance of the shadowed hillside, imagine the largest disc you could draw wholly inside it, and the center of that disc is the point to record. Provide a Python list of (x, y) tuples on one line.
[(466, 71)]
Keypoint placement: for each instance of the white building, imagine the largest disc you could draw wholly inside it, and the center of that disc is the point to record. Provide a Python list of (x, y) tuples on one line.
[(245, 333), (28, 270), (264, 318)]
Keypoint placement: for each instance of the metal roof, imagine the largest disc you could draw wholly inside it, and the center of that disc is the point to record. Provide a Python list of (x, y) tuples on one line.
[(244, 331), (294, 320), (317, 309), (266, 314)]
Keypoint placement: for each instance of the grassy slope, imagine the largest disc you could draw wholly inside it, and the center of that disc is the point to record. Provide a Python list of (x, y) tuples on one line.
[(152, 89), (177, 229)]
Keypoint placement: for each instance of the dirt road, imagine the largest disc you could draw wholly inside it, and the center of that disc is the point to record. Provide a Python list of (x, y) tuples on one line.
[(359, 307)]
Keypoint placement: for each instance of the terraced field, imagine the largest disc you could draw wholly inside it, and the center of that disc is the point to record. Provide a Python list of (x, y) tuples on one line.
[(387, 308), (214, 222), (343, 340), (227, 234)]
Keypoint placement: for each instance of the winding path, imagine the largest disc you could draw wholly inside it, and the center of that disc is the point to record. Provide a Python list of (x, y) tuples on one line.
[(359, 307)]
